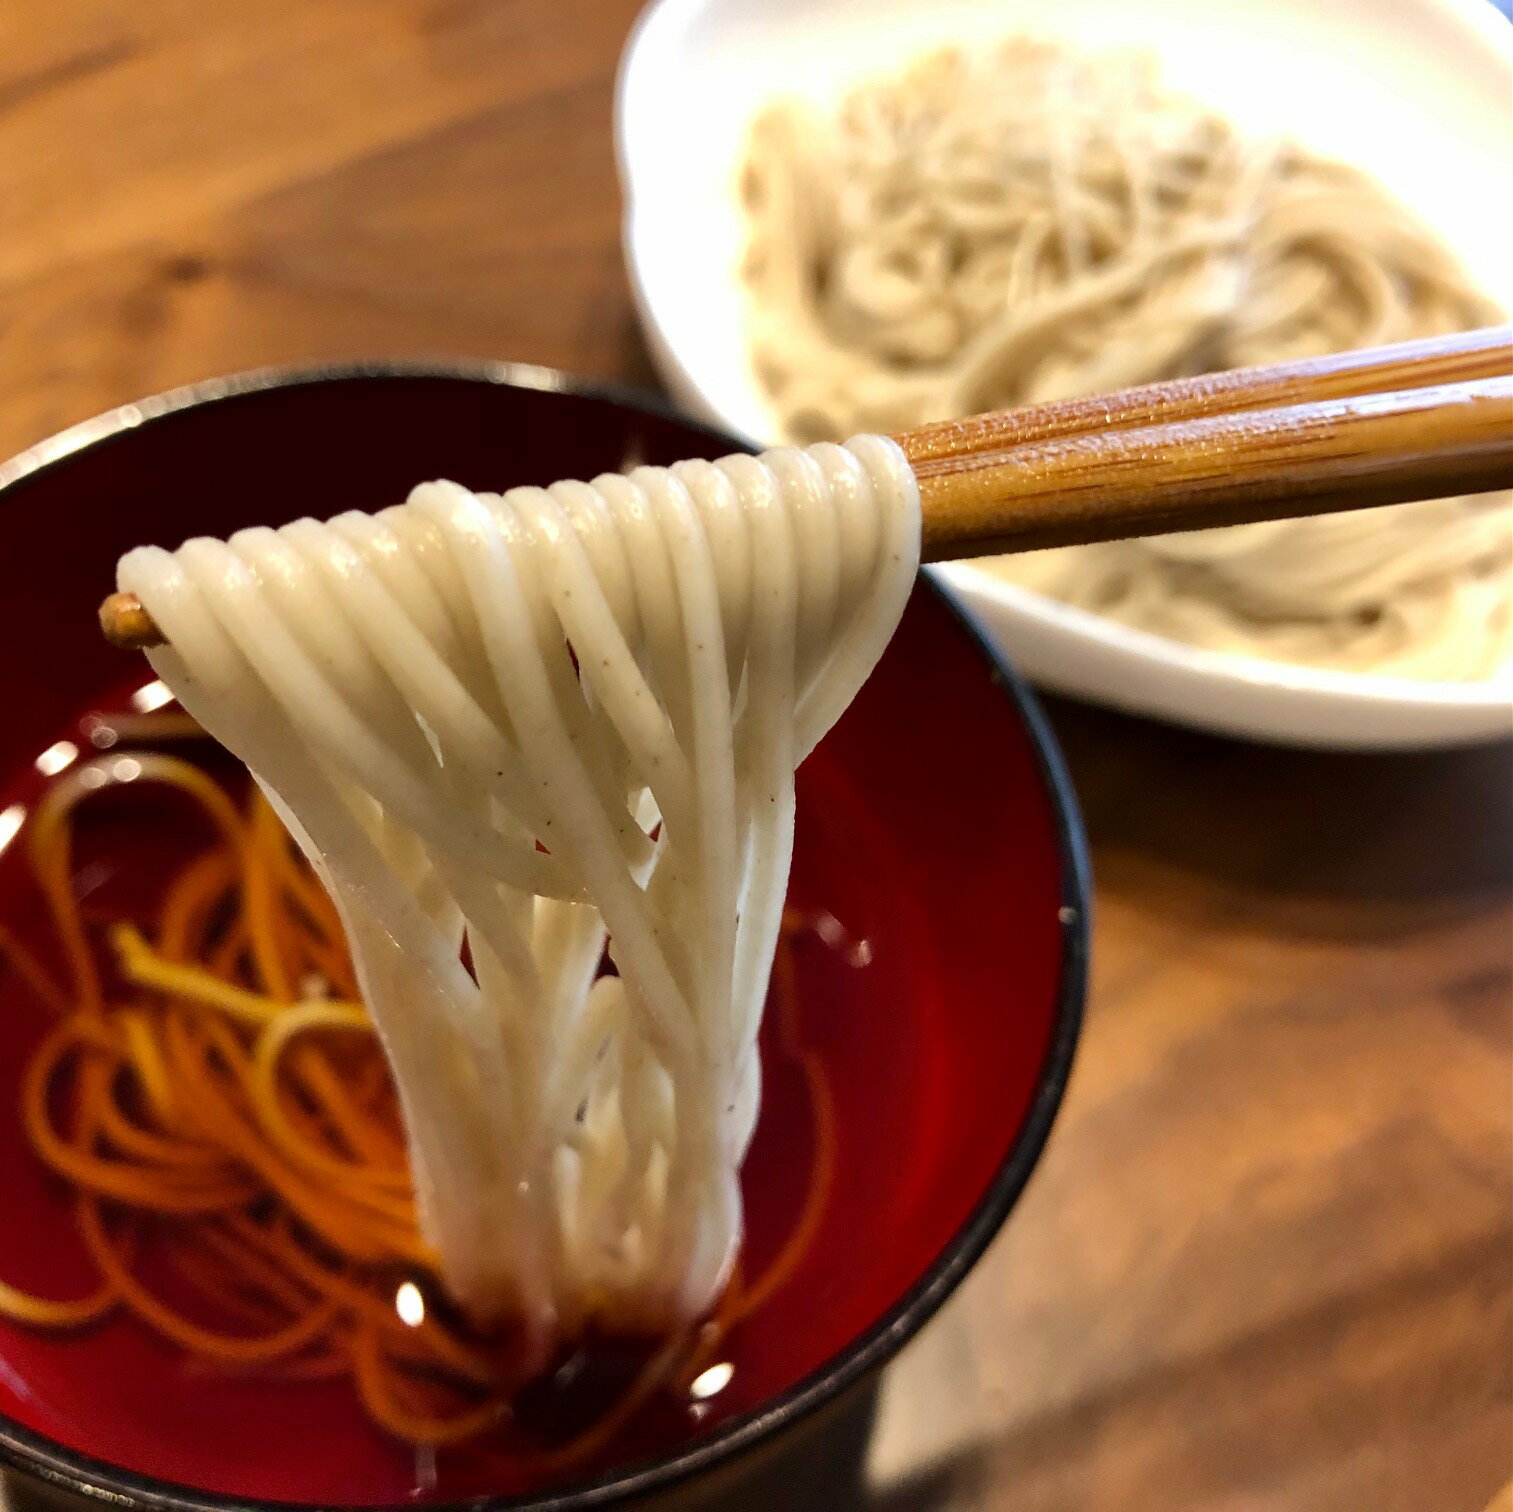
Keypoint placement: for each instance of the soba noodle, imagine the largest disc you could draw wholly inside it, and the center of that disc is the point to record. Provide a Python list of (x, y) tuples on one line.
[(509, 731), (1042, 224)]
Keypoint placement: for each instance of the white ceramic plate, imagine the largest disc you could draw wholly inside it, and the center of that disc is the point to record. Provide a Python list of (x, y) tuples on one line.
[(1418, 92)]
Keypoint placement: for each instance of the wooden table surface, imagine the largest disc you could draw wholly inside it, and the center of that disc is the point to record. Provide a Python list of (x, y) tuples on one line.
[(1267, 1262)]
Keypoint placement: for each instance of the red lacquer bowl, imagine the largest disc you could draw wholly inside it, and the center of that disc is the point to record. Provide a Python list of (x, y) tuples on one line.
[(936, 832)]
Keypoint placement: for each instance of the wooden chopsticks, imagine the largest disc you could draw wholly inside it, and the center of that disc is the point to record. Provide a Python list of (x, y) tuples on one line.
[(1376, 370), (1419, 420)]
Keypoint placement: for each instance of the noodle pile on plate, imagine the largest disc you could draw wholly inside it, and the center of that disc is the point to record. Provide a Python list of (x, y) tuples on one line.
[(1038, 224)]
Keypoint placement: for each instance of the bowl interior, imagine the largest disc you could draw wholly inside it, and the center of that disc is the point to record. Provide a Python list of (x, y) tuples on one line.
[(1422, 98), (929, 835)]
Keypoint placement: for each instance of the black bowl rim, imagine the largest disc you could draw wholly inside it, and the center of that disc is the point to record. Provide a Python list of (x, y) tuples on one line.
[(54, 1464)]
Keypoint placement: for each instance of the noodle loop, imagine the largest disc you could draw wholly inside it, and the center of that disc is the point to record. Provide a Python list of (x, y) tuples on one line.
[(511, 732)]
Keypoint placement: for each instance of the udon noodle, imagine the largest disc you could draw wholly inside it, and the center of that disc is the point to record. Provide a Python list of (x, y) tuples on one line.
[(511, 732), (1038, 224)]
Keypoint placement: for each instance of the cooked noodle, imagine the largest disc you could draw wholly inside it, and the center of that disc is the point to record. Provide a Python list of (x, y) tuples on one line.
[(1040, 224), (510, 729)]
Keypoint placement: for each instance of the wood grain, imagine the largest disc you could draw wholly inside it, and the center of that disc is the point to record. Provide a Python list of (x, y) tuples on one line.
[(1221, 469), (1378, 370), (1267, 1263)]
